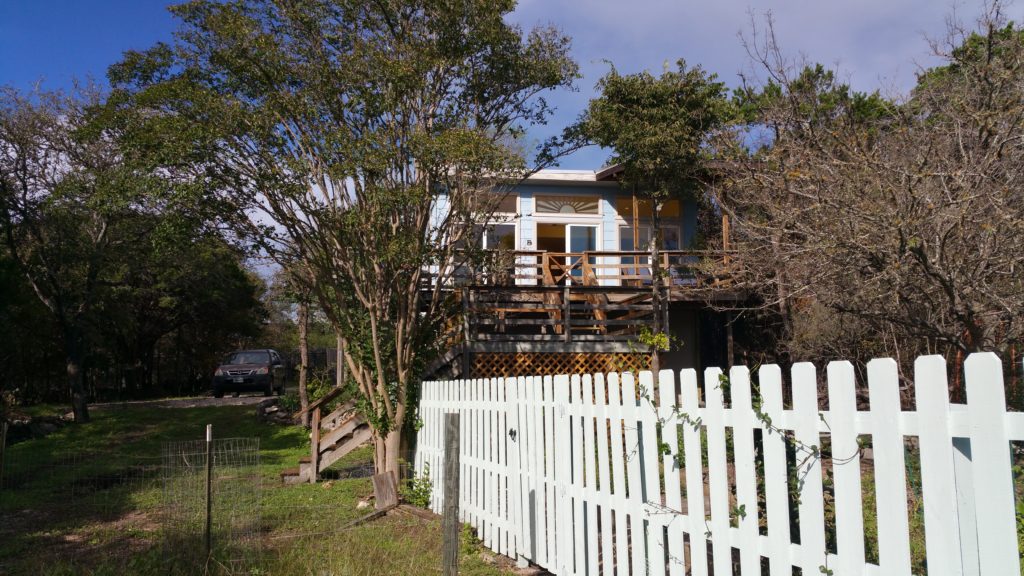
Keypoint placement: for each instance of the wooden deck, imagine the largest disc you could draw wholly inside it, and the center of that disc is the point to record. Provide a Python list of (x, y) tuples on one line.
[(596, 297)]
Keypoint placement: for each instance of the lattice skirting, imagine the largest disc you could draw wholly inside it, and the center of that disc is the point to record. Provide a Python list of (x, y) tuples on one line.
[(504, 364)]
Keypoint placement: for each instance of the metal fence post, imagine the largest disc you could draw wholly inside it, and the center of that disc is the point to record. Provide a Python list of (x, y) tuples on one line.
[(209, 490)]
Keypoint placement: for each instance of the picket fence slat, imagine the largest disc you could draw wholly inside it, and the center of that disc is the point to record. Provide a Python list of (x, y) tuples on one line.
[(746, 477), (590, 454), (718, 476), (607, 556), (575, 442), (808, 468), (548, 473), (670, 464), (618, 461), (634, 474), (648, 450), (842, 403), (776, 478), (694, 455), (890, 468), (605, 474), (942, 539), (990, 452), (561, 459)]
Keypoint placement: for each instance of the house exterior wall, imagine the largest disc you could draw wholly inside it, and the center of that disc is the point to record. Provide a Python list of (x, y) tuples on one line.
[(536, 230)]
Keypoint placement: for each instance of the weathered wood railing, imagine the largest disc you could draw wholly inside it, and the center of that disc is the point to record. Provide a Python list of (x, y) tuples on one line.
[(699, 268), (556, 313)]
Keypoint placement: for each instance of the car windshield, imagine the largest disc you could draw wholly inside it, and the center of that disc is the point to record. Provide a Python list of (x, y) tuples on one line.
[(256, 357)]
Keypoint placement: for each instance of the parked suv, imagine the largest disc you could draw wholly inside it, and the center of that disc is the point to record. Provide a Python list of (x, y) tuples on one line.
[(249, 370)]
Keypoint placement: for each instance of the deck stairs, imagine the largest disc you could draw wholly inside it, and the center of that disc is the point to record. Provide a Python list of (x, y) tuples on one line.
[(331, 438)]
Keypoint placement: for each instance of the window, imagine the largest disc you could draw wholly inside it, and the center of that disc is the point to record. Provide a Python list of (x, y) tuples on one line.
[(499, 237), (567, 204), (248, 357), (626, 238), (669, 238), (500, 202), (624, 206)]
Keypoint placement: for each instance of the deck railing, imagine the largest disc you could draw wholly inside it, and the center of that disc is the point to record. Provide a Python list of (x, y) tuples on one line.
[(556, 313), (634, 268)]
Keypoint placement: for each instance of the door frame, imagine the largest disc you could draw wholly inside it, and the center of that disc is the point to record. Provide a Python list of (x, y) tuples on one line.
[(568, 241)]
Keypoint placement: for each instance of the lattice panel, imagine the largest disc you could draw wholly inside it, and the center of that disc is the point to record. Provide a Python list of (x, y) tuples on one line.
[(502, 364)]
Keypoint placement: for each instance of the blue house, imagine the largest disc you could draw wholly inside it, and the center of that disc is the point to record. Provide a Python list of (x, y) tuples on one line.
[(569, 289)]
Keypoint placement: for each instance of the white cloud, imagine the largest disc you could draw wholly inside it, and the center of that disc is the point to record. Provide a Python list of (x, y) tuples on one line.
[(876, 44)]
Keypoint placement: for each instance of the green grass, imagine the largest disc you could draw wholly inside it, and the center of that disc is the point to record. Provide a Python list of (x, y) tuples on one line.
[(54, 523)]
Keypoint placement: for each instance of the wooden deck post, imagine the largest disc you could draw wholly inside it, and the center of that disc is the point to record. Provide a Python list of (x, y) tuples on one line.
[(567, 330), (314, 442), (450, 522), (466, 336)]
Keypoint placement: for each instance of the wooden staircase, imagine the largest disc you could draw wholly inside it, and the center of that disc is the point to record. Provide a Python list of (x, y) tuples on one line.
[(332, 437)]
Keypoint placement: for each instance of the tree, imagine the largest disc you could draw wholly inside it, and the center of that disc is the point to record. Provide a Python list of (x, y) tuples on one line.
[(903, 217), (659, 129), (62, 199), (370, 135), (179, 278)]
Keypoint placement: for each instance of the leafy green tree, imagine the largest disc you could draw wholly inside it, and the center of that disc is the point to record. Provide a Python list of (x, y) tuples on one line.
[(62, 200), (365, 138), (180, 278), (660, 129)]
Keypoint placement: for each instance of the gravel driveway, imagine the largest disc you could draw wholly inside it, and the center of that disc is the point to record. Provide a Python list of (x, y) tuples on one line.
[(195, 402)]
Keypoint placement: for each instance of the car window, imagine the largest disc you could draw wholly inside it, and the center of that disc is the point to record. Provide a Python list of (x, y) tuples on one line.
[(254, 357)]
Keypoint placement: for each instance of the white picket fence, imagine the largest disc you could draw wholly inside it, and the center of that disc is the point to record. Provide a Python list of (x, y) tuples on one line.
[(584, 475)]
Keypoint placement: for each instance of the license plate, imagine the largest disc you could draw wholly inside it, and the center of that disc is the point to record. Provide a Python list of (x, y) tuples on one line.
[(238, 379)]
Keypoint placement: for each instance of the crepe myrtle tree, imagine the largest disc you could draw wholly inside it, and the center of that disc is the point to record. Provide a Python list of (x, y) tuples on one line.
[(364, 137)]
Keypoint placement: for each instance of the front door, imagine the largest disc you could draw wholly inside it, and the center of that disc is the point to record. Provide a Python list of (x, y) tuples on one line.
[(579, 238)]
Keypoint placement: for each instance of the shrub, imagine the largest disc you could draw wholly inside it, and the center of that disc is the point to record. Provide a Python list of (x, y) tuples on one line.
[(417, 490)]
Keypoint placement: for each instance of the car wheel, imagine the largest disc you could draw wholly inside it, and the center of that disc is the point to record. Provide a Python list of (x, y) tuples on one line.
[(218, 393)]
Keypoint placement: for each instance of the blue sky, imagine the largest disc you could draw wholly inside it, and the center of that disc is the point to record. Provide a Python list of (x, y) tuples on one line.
[(876, 44)]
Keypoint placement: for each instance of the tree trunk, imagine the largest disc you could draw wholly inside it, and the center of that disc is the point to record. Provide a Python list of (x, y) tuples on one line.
[(340, 373), (387, 452), (73, 353), (656, 272), (304, 361)]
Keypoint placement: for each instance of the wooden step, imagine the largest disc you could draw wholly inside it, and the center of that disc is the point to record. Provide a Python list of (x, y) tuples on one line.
[(346, 428), (358, 437), (294, 475), (338, 416)]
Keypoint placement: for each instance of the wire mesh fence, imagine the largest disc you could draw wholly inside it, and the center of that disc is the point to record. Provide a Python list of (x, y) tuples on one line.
[(211, 501), (132, 513), (143, 510)]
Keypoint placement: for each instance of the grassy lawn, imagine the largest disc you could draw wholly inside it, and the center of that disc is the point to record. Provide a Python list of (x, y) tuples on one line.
[(88, 499)]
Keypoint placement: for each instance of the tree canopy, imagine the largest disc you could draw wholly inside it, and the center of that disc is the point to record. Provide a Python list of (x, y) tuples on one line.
[(113, 261), (900, 218), (365, 139)]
